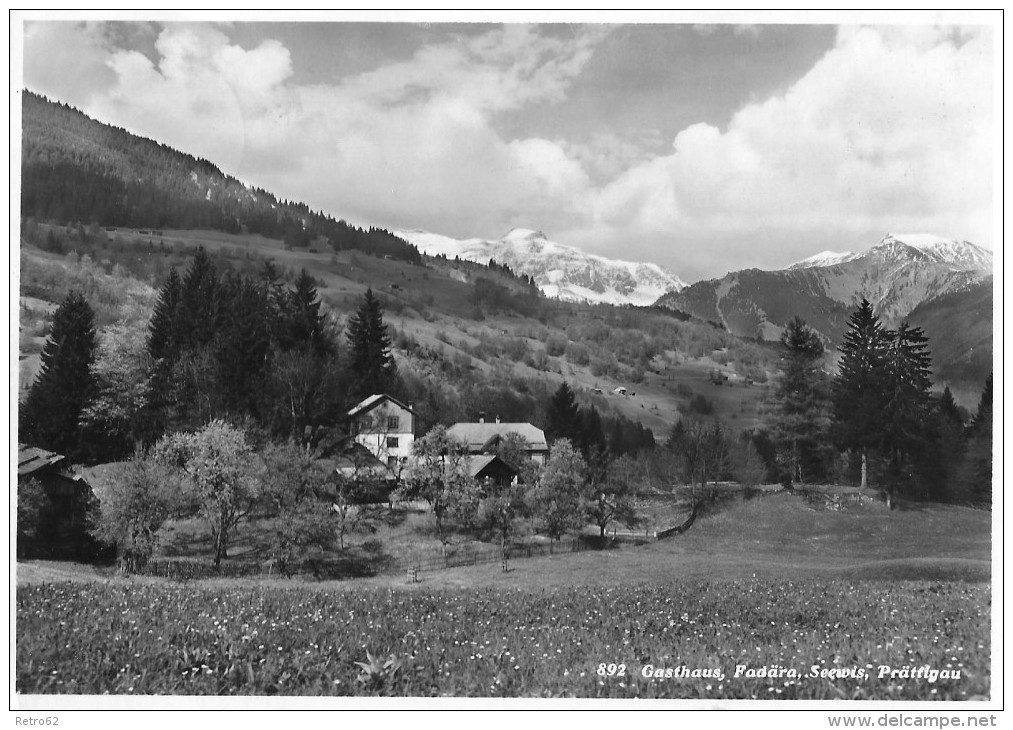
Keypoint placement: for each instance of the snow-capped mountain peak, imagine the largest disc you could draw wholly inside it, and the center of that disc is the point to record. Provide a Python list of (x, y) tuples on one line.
[(958, 255), (902, 248), (823, 258), (523, 234), (560, 270)]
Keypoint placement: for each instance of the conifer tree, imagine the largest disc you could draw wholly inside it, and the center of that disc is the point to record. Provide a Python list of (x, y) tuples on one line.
[(276, 297), (859, 388), (303, 322), (943, 452), (242, 344), (801, 420), (976, 472), (562, 419), (50, 417), (983, 415), (197, 312), (372, 367), (160, 328), (591, 433), (905, 412)]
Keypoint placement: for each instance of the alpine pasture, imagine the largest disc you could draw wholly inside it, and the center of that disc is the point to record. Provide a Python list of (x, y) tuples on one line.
[(768, 598)]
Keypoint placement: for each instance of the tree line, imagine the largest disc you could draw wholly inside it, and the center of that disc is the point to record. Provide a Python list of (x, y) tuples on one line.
[(875, 421), (218, 346), (76, 169)]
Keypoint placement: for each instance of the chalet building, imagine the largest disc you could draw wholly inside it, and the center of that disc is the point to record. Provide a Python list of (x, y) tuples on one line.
[(484, 438), (62, 530), (385, 427)]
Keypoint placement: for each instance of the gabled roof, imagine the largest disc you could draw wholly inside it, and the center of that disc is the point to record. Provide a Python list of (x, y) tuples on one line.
[(101, 476), (32, 459), (478, 435), (372, 402), (477, 464), (357, 460)]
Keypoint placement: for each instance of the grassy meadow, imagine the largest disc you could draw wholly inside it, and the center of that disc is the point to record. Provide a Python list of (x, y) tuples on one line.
[(822, 601)]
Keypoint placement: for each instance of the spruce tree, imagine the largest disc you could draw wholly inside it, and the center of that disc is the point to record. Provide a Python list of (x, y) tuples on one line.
[(160, 328), (943, 452), (859, 388), (50, 417), (562, 419), (196, 317), (801, 419), (975, 476), (905, 413), (304, 324), (372, 368), (242, 344), (983, 415)]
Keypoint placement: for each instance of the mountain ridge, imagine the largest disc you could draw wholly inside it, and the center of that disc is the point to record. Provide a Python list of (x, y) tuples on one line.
[(559, 270), (896, 276), (78, 169)]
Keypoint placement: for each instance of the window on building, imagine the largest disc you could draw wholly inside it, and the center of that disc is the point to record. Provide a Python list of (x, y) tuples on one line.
[(392, 462), (393, 422), (392, 442)]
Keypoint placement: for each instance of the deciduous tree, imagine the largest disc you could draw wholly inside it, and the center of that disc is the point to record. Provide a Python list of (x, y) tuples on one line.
[(222, 474), (556, 496), (704, 451), (138, 499), (120, 417), (607, 493), (296, 486), (439, 475), (33, 508)]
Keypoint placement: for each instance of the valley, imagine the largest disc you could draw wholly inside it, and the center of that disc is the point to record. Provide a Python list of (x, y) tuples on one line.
[(434, 308), (717, 477)]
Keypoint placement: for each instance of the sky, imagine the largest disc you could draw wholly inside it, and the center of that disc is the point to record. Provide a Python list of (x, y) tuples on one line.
[(702, 147)]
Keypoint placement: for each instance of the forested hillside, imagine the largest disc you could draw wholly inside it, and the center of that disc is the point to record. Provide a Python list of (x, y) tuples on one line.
[(959, 324), (75, 169)]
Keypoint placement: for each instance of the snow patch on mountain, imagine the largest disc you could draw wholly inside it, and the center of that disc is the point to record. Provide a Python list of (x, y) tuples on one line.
[(560, 271), (896, 275), (901, 249), (958, 255), (823, 258)]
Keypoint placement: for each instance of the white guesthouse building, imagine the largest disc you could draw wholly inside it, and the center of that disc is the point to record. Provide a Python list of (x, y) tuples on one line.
[(385, 426), (483, 438)]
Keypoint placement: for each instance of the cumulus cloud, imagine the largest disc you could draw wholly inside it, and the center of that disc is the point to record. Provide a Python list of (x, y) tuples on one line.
[(408, 143), (892, 129)]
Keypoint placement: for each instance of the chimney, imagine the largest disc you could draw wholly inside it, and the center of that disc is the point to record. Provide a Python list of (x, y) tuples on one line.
[(481, 417)]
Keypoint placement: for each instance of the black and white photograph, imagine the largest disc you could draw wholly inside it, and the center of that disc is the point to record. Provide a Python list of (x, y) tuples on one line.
[(506, 360)]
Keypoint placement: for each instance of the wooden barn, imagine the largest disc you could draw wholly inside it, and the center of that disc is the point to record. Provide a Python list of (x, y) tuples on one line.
[(54, 503)]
